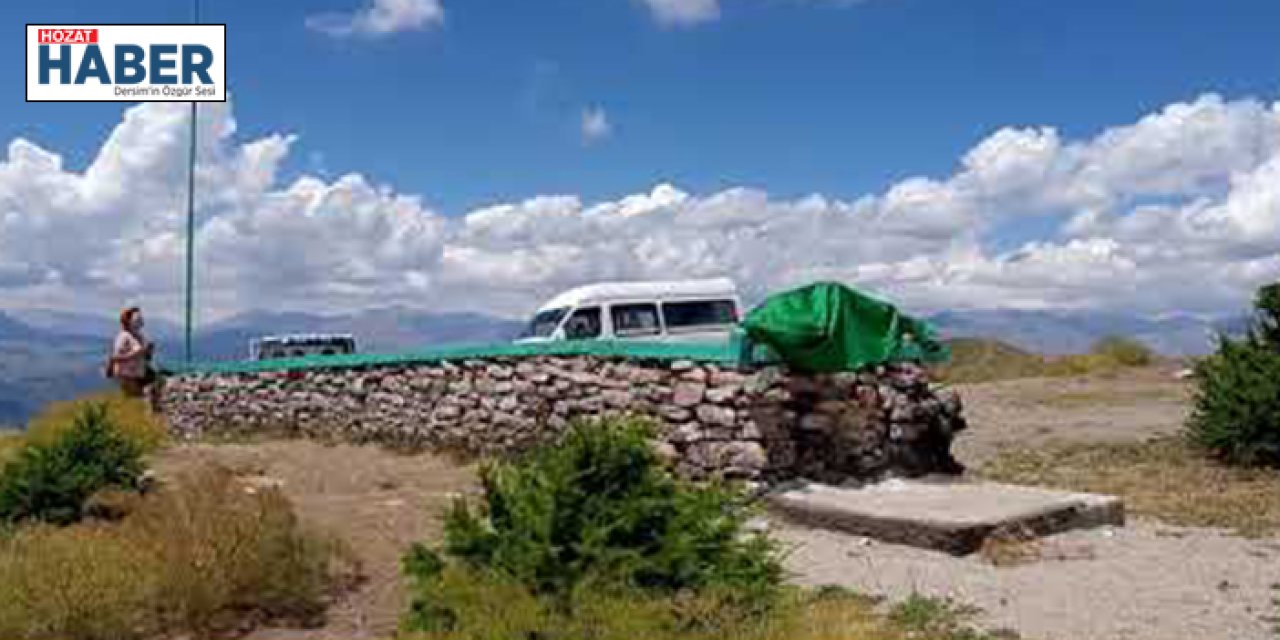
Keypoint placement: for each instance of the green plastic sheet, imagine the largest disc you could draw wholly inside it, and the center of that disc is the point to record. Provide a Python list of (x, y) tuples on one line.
[(829, 327)]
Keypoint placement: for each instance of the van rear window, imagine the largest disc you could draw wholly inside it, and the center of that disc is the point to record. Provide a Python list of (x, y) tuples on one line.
[(700, 313)]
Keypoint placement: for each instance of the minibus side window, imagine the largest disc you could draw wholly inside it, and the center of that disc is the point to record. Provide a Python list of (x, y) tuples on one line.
[(640, 319), (698, 314)]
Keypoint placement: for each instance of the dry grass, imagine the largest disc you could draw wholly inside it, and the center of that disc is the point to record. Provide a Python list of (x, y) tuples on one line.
[(201, 555), (1165, 479), (10, 442), (1110, 395), (377, 501), (84, 582), (131, 416), (983, 360)]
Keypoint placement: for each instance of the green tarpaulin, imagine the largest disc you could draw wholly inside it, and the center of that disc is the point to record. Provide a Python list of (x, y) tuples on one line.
[(828, 327)]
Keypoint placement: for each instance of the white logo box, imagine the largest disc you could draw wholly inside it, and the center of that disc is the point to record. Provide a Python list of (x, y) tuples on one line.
[(160, 52)]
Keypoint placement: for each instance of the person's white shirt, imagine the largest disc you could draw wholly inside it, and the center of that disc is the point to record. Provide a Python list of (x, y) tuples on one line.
[(131, 353)]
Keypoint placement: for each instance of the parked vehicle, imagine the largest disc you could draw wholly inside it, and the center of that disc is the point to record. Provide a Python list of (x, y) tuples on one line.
[(687, 310), (301, 345)]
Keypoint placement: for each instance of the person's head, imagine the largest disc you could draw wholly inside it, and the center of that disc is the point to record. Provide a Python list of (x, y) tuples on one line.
[(131, 319)]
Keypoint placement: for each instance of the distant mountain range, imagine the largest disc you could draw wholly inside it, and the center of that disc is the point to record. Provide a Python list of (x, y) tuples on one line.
[(52, 355), (391, 329), (1051, 332)]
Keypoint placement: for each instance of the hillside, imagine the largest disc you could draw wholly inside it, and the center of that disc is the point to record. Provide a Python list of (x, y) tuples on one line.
[(976, 359), (1058, 333)]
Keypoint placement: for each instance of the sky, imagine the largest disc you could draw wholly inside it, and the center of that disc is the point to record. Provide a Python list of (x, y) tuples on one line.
[(483, 154)]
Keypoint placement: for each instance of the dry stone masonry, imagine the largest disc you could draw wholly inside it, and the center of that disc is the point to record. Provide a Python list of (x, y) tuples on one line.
[(765, 424)]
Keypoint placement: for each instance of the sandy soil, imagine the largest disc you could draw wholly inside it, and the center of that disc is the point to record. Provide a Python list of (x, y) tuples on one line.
[(1139, 405), (1145, 581), (1141, 582)]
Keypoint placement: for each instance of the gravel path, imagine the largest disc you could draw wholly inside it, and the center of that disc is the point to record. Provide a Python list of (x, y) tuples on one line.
[(1145, 581)]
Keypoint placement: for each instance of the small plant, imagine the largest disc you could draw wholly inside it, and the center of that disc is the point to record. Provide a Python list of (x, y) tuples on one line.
[(930, 618), (52, 480), (597, 513), (1236, 413)]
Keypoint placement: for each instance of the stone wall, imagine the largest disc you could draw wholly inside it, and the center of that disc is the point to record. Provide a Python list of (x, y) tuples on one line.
[(765, 424)]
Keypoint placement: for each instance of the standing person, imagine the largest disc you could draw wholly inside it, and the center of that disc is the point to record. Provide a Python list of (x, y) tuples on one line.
[(130, 361)]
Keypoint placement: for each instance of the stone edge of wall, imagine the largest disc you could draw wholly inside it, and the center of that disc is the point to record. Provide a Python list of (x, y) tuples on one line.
[(761, 423)]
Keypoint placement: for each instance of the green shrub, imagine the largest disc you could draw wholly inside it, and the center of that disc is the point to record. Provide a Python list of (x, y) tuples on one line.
[(598, 512), (1236, 412), (51, 481), (1266, 324), (1124, 352)]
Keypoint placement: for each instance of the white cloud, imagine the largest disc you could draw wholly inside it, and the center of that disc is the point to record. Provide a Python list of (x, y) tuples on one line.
[(595, 125), (1179, 211), (683, 13), (380, 18), (688, 13)]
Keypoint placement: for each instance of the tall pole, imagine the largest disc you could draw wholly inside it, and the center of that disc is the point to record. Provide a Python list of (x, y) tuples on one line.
[(191, 208)]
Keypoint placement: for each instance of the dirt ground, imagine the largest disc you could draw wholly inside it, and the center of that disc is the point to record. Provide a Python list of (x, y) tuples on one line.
[(1145, 581), (377, 501), (1135, 405)]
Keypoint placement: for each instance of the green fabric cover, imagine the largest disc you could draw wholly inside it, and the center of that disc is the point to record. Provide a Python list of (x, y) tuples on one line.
[(828, 327)]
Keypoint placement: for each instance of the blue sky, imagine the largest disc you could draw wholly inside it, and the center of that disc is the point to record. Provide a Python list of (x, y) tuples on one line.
[(799, 97), (484, 154)]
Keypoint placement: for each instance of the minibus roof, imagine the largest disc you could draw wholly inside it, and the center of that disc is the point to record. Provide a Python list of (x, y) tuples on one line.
[(604, 292), (304, 338)]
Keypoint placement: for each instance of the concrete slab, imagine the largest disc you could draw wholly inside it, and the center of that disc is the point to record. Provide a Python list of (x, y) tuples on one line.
[(952, 515)]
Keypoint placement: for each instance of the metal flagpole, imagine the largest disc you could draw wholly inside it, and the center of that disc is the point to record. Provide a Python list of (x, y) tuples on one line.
[(191, 207)]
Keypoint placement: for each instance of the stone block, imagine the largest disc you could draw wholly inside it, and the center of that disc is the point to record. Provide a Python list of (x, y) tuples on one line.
[(688, 394), (713, 415), (949, 515)]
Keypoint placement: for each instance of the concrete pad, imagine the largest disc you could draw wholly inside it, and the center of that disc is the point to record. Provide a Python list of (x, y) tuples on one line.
[(952, 515)]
